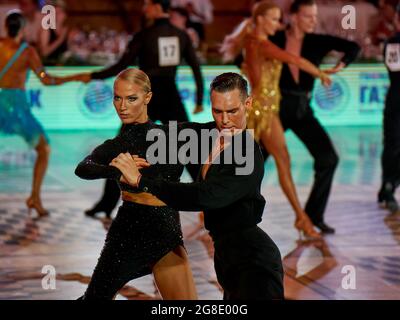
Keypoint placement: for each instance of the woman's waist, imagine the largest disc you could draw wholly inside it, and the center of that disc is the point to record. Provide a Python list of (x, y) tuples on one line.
[(11, 89), (142, 198), (266, 98), (268, 89), (14, 97)]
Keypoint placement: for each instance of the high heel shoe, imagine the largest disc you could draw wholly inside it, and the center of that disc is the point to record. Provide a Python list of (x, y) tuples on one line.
[(95, 210), (305, 228), (31, 203)]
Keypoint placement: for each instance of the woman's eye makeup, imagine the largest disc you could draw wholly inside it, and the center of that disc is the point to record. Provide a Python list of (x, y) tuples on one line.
[(132, 99)]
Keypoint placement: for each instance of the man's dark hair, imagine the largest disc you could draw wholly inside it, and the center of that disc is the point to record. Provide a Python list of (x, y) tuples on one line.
[(14, 23), (230, 81), (395, 4), (36, 3), (180, 10), (297, 4), (165, 4)]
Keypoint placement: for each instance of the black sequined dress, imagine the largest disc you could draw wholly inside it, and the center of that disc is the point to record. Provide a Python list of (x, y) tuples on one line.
[(140, 235)]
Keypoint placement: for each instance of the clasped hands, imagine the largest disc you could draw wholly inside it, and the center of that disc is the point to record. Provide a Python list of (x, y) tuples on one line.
[(129, 165)]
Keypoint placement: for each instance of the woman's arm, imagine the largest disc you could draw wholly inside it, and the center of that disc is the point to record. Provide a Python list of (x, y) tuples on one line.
[(272, 51), (36, 65), (96, 165)]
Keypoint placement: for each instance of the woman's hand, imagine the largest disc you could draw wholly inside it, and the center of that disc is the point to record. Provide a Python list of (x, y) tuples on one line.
[(325, 79), (140, 162), (127, 165)]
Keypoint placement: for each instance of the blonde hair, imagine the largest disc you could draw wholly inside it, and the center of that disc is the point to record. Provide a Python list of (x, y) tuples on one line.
[(233, 43), (137, 77)]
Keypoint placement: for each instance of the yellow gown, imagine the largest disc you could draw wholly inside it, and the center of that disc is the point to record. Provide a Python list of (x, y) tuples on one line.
[(266, 101)]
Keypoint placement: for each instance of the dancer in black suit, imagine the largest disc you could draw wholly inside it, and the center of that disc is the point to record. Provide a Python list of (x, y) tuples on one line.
[(391, 124), (247, 262), (296, 87)]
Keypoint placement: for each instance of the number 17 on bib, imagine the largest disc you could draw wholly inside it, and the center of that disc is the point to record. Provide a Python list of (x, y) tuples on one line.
[(168, 51)]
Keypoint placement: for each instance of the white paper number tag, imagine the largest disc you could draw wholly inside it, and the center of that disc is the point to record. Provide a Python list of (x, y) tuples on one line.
[(168, 51), (392, 58)]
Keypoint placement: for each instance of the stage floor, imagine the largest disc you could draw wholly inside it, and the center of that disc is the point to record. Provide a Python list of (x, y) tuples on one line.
[(361, 261)]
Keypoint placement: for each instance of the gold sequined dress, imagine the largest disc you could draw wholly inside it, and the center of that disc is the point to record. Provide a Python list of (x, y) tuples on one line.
[(267, 98)]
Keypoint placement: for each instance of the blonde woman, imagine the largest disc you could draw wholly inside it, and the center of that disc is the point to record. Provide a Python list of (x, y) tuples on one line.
[(145, 237)]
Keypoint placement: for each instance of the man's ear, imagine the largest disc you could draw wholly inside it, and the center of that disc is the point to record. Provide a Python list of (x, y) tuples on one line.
[(248, 103)]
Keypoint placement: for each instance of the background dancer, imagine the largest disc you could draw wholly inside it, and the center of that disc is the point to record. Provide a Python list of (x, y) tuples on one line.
[(296, 88), (16, 59), (391, 123)]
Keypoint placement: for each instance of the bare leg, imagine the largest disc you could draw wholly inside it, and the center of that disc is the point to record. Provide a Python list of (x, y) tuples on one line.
[(275, 143), (198, 228), (42, 160), (173, 276)]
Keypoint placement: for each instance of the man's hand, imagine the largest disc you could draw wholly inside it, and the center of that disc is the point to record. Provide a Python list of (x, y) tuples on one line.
[(82, 77), (198, 109), (335, 69), (126, 164)]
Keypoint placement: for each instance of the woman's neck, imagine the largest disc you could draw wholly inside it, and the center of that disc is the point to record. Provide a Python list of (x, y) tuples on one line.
[(142, 119), (16, 40), (260, 34), (296, 32)]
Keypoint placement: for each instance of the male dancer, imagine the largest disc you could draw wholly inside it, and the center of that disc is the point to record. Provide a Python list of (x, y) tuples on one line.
[(159, 49), (247, 262), (391, 123), (296, 87)]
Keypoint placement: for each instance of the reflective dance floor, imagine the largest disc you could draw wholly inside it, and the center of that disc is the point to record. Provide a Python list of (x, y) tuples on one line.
[(360, 261)]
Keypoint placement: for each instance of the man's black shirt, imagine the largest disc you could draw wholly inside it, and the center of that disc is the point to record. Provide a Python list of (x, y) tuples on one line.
[(231, 202), (394, 75), (314, 48), (145, 47)]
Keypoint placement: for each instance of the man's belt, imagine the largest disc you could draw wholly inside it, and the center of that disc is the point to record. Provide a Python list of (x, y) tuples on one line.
[(298, 93)]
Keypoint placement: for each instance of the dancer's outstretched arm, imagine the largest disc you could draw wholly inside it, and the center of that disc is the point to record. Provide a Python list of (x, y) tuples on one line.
[(37, 67), (271, 51)]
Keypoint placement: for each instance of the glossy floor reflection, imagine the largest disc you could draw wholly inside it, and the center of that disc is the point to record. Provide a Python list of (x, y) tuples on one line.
[(361, 261)]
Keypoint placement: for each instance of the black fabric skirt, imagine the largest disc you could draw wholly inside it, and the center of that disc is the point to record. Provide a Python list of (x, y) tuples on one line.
[(139, 236)]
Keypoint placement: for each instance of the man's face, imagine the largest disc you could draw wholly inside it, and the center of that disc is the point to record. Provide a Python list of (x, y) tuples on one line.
[(150, 10), (27, 7), (177, 20), (307, 17), (229, 110)]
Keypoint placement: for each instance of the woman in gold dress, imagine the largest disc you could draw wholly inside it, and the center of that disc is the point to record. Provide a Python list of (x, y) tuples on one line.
[(262, 65)]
